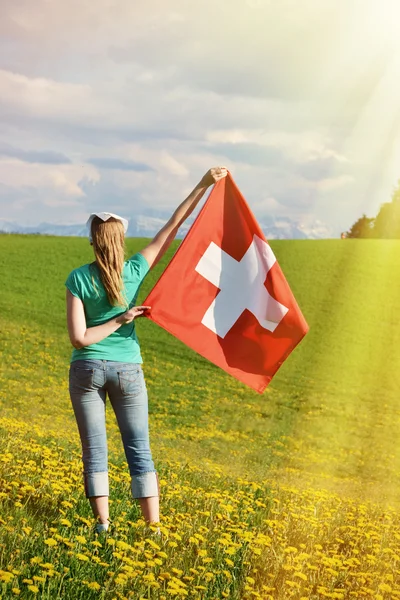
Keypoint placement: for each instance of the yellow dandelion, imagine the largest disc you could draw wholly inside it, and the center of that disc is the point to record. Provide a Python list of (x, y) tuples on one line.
[(154, 584), (291, 550), (290, 583), (33, 588), (66, 523), (82, 557), (223, 541), (81, 539), (50, 542), (6, 576), (153, 544), (177, 583), (384, 587), (177, 592)]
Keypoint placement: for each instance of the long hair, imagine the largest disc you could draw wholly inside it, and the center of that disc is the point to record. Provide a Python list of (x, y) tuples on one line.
[(109, 249)]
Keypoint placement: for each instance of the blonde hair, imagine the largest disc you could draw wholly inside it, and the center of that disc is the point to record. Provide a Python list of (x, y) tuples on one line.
[(108, 240)]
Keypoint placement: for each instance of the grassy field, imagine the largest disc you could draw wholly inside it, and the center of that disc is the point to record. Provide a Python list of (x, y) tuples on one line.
[(290, 494)]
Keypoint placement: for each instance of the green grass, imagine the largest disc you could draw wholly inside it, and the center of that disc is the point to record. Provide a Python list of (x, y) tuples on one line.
[(345, 370), (328, 421)]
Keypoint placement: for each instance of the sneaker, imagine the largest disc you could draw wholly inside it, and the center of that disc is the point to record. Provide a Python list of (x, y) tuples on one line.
[(102, 527), (157, 534)]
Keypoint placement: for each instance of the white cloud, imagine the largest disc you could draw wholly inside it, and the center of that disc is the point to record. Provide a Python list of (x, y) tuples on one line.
[(65, 185), (40, 96), (333, 183), (300, 146), (173, 166), (300, 102), (36, 175)]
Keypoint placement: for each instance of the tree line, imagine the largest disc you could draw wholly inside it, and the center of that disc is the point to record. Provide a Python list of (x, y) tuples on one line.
[(386, 224)]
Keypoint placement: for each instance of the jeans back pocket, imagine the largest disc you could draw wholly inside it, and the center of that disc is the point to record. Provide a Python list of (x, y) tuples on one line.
[(81, 377), (130, 380)]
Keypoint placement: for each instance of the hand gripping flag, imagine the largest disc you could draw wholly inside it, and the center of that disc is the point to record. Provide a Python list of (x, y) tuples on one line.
[(224, 295)]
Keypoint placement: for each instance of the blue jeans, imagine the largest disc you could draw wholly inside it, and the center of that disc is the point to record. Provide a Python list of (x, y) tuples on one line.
[(89, 382)]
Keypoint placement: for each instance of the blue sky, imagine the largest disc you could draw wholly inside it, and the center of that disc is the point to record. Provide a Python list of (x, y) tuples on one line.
[(122, 106)]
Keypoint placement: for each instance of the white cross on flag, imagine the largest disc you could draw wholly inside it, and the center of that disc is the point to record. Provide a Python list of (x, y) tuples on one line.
[(224, 294)]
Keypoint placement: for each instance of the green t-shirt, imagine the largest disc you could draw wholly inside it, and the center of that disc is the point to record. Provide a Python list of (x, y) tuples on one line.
[(121, 345)]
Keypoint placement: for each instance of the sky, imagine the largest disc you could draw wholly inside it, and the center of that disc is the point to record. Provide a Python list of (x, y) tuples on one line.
[(123, 106)]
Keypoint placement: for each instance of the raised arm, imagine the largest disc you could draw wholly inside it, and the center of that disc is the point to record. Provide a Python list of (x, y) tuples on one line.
[(81, 336), (161, 242)]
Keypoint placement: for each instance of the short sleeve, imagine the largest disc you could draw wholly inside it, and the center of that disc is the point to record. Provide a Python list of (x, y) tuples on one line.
[(139, 266), (72, 284)]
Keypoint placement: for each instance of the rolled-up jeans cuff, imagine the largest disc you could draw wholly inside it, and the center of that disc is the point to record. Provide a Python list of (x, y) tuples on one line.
[(145, 485), (96, 484)]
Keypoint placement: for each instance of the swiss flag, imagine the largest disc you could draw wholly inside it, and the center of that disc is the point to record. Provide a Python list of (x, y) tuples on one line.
[(224, 295)]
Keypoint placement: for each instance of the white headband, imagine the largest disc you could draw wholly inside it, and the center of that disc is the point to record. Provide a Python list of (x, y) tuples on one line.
[(105, 216)]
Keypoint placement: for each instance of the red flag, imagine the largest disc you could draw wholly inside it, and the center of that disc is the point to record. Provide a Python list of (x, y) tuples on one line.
[(224, 295)]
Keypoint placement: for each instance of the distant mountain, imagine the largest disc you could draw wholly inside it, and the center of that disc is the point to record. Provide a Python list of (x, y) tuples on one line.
[(147, 226), (43, 229)]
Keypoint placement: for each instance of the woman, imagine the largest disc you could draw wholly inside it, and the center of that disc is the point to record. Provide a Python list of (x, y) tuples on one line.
[(106, 358)]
